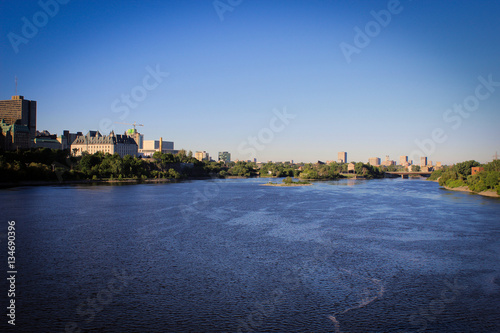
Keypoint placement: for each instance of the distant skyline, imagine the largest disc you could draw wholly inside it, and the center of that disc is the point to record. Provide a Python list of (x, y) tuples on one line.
[(275, 80)]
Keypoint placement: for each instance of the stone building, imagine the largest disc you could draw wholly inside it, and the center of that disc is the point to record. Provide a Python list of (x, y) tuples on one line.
[(94, 142)]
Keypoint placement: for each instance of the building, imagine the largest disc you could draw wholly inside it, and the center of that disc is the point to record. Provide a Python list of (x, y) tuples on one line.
[(475, 170), (423, 161), (138, 137), (388, 162), (94, 142), (403, 160), (224, 157), (202, 156), (67, 138), (46, 140), (374, 161), (41, 142), (19, 111), (351, 167), (342, 157), (14, 136), (149, 147)]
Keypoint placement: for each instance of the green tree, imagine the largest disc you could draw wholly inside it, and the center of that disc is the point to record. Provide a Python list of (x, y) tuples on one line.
[(464, 168)]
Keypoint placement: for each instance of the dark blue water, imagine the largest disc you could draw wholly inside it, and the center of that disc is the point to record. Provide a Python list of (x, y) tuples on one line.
[(230, 255)]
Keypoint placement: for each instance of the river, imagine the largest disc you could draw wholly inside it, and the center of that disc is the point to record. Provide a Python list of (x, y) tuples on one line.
[(388, 255)]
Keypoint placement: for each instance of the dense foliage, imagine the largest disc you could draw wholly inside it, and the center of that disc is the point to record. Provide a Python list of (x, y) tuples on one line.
[(51, 165), (461, 175)]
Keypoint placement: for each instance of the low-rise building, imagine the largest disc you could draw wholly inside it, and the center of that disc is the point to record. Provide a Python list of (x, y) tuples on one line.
[(149, 147), (47, 142), (475, 170), (44, 139), (94, 142)]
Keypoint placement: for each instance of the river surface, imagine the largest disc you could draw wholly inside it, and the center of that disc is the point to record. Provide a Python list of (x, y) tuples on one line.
[(387, 255)]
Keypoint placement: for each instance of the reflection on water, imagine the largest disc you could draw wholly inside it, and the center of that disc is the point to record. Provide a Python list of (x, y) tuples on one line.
[(387, 255)]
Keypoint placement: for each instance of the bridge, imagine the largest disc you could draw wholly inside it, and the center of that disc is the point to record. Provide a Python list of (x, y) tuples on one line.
[(407, 174)]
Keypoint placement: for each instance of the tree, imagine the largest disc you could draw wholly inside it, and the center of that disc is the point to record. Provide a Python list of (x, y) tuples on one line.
[(465, 168)]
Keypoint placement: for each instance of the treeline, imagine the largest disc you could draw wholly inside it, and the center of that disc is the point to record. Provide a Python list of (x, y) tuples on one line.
[(34, 164), (460, 175), (51, 164), (319, 171)]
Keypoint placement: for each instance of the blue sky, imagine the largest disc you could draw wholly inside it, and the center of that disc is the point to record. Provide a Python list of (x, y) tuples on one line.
[(233, 65)]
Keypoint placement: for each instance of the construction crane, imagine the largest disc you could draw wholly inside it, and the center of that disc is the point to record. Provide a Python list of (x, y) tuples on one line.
[(134, 124)]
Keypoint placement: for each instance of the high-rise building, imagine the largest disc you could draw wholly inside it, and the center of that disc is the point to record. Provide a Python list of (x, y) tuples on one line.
[(374, 161), (342, 157), (403, 160), (202, 156), (423, 161), (19, 111), (224, 157)]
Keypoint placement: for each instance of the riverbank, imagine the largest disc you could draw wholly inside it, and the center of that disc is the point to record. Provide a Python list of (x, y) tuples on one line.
[(487, 193)]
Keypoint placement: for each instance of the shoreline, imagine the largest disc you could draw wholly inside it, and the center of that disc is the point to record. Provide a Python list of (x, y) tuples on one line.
[(487, 193)]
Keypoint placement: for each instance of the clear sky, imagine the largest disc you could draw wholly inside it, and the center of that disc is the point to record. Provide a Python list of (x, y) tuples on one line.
[(372, 78)]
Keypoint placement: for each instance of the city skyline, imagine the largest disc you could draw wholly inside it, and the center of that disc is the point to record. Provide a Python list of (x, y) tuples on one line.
[(294, 81)]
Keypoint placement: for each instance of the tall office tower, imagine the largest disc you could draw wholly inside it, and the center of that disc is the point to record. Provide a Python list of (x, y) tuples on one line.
[(342, 157), (403, 160), (374, 161), (423, 161), (225, 157), (20, 111)]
